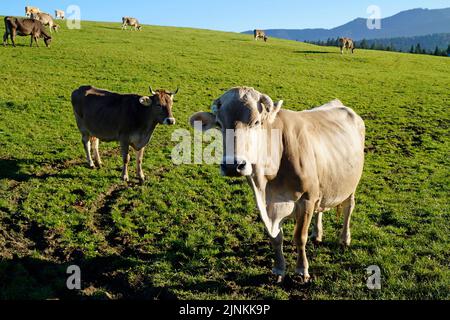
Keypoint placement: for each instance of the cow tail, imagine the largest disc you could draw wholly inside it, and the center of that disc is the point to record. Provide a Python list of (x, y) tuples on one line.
[(7, 26), (77, 102)]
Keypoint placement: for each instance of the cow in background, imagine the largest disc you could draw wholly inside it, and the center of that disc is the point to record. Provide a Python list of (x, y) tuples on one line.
[(132, 22), (260, 34), (60, 14), (346, 43), (46, 20), (25, 27), (30, 10)]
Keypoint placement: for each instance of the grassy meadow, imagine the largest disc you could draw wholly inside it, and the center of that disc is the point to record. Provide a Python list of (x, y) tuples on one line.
[(189, 233)]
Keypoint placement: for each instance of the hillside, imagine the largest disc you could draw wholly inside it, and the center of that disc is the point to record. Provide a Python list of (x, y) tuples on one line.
[(415, 22), (189, 233)]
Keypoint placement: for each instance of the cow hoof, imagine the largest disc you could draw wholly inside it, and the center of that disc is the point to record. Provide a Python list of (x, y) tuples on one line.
[(280, 274), (280, 279), (303, 275), (125, 179), (316, 240), (141, 181), (345, 242), (91, 166)]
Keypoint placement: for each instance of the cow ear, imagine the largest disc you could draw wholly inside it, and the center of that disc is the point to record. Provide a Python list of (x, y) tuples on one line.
[(145, 101), (203, 121), (269, 109), (274, 112)]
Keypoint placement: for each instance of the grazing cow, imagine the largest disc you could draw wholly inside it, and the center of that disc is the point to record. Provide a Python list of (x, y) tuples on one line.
[(60, 14), (260, 34), (346, 43), (30, 10), (25, 27), (132, 22), (297, 163), (46, 20), (127, 118)]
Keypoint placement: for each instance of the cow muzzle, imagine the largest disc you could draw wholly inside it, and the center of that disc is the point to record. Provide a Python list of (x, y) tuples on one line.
[(236, 167), (169, 121)]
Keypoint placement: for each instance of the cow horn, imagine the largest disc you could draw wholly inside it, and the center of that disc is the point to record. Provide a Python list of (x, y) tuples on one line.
[(151, 91), (176, 91), (267, 102)]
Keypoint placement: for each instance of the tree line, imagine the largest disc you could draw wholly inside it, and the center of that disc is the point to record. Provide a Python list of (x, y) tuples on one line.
[(399, 44)]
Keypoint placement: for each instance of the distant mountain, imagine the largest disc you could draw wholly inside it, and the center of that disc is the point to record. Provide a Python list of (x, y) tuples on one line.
[(415, 22)]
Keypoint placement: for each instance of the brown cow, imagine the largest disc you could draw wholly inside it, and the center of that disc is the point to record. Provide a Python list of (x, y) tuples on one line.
[(25, 27), (127, 118)]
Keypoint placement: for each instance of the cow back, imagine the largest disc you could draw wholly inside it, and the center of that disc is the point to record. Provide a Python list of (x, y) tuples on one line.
[(108, 115), (328, 142)]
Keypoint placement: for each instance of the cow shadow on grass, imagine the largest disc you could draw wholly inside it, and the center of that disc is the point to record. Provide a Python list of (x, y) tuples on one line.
[(13, 169), (118, 28), (314, 52), (102, 278)]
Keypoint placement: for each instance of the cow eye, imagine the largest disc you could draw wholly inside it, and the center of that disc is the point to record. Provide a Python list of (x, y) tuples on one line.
[(257, 123)]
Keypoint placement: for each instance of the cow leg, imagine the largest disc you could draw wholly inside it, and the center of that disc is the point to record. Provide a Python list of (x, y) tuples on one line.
[(139, 159), (87, 148), (317, 234), (125, 148), (5, 38), (13, 38), (280, 263), (348, 206), (304, 213), (95, 146)]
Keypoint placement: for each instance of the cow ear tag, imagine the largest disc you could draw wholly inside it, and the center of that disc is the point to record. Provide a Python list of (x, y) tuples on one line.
[(145, 101), (214, 109)]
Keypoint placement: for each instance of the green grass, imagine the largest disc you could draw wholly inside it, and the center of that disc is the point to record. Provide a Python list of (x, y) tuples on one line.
[(189, 233)]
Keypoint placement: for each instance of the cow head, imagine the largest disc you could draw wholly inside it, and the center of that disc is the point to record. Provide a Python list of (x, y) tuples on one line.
[(47, 40), (245, 118), (161, 103)]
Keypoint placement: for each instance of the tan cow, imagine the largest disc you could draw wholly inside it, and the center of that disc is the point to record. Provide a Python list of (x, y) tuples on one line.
[(346, 43), (297, 163), (30, 10), (46, 20), (127, 118), (132, 22), (260, 34), (60, 14)]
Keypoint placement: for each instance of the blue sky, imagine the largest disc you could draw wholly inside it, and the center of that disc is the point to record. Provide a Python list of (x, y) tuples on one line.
[(227, 15)]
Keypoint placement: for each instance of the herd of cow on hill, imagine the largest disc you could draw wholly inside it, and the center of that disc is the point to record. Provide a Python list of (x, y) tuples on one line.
[(36, 20), (315, 164)]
